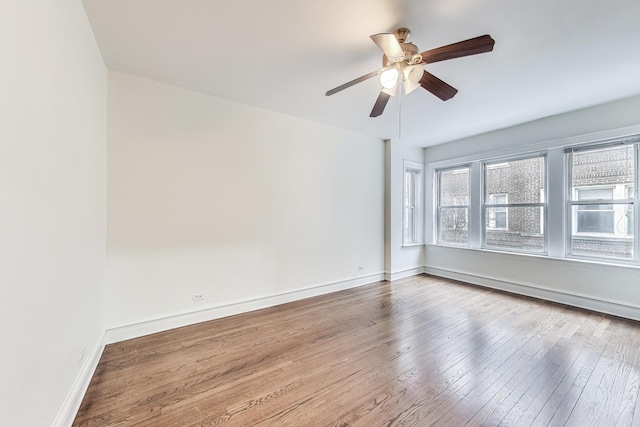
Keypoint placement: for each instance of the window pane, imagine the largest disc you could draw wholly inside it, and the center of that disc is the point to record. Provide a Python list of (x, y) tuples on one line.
[(589, 193), (409, 230), (602, 174), (602, 232), (521, 181), (501, 219), (595, 219), (454, 225), (499, 199), (409, 189), (497, 216), (521, 232), (454, 187)]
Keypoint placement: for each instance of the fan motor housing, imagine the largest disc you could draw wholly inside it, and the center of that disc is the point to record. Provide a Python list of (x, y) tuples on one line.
[(411, 55)]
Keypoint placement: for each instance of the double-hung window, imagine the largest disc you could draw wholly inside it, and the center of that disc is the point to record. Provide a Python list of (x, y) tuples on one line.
[(412, 218), (577, 201), (600, 206), (453, 206), (514, 204)]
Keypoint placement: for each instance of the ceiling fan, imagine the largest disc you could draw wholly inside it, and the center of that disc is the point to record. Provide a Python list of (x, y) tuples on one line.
[(402, 63)]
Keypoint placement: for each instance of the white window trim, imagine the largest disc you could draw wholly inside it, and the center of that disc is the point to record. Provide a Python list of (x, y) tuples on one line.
[(418, 208)]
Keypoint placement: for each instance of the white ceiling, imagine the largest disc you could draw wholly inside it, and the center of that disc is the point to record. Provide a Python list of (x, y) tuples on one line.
[(550, 56)]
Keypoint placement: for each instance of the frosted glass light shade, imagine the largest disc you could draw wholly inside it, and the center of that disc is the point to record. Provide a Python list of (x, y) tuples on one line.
[(389, 78)]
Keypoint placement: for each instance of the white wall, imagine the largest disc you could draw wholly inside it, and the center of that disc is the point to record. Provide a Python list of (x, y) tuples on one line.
[(232, 202), (53, 205), (613, 289), (399, 261)]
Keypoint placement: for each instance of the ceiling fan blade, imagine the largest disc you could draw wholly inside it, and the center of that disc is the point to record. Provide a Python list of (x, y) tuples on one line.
[(437, 87), (472, 46), (381, 102), (351, 83), (389, 44)]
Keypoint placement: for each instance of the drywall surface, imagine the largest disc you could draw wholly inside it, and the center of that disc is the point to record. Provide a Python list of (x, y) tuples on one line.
[(230, 202), (613, 115), (53, 209), (600, 286)]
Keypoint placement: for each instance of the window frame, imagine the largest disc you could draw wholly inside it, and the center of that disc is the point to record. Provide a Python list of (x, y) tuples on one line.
[(497, 163), (569, 202), (556, 219), (416, 169), (439, 206)]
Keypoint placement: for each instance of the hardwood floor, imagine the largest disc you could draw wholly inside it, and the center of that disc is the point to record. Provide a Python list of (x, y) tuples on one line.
[(423, 351)]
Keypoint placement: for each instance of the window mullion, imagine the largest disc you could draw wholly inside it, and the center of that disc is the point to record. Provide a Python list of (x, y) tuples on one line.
[(476, 215)]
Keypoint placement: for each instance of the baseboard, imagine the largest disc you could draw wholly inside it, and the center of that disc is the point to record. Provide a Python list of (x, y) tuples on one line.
[(615, 308), (397, 275), (141, 327), (71, 404)]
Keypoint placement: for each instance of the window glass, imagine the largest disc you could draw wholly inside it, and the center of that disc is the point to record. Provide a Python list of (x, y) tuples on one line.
[(412, 222), (453, 207), (497, 216), (514, 205), (520, 180), (600, 229), (588, 210)]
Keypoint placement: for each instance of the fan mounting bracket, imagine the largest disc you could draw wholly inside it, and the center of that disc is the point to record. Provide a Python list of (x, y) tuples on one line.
[(402, 34)]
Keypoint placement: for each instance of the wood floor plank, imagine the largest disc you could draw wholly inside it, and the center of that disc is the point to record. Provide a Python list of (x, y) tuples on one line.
[(603, 393), (501, 393), (420, 351), (461, 375), (574, 394)]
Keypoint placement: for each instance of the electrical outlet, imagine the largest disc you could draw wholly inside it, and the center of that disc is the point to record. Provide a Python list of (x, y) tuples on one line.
[(197, 297), (81, 358)]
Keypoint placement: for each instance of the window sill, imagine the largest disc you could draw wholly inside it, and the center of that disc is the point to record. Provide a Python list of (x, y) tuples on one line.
[(631, 266), (412, 245)]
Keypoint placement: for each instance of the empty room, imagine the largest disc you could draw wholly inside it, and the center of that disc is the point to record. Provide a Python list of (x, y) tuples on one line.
[(330, 213)]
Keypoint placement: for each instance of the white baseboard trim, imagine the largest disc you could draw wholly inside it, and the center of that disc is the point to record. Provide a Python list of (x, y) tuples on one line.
[(615, 308), (397, 275), (141, 327), (71, 404)]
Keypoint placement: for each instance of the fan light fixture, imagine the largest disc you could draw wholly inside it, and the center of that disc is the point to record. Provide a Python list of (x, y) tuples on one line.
[(401, 56), (389, 78)]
